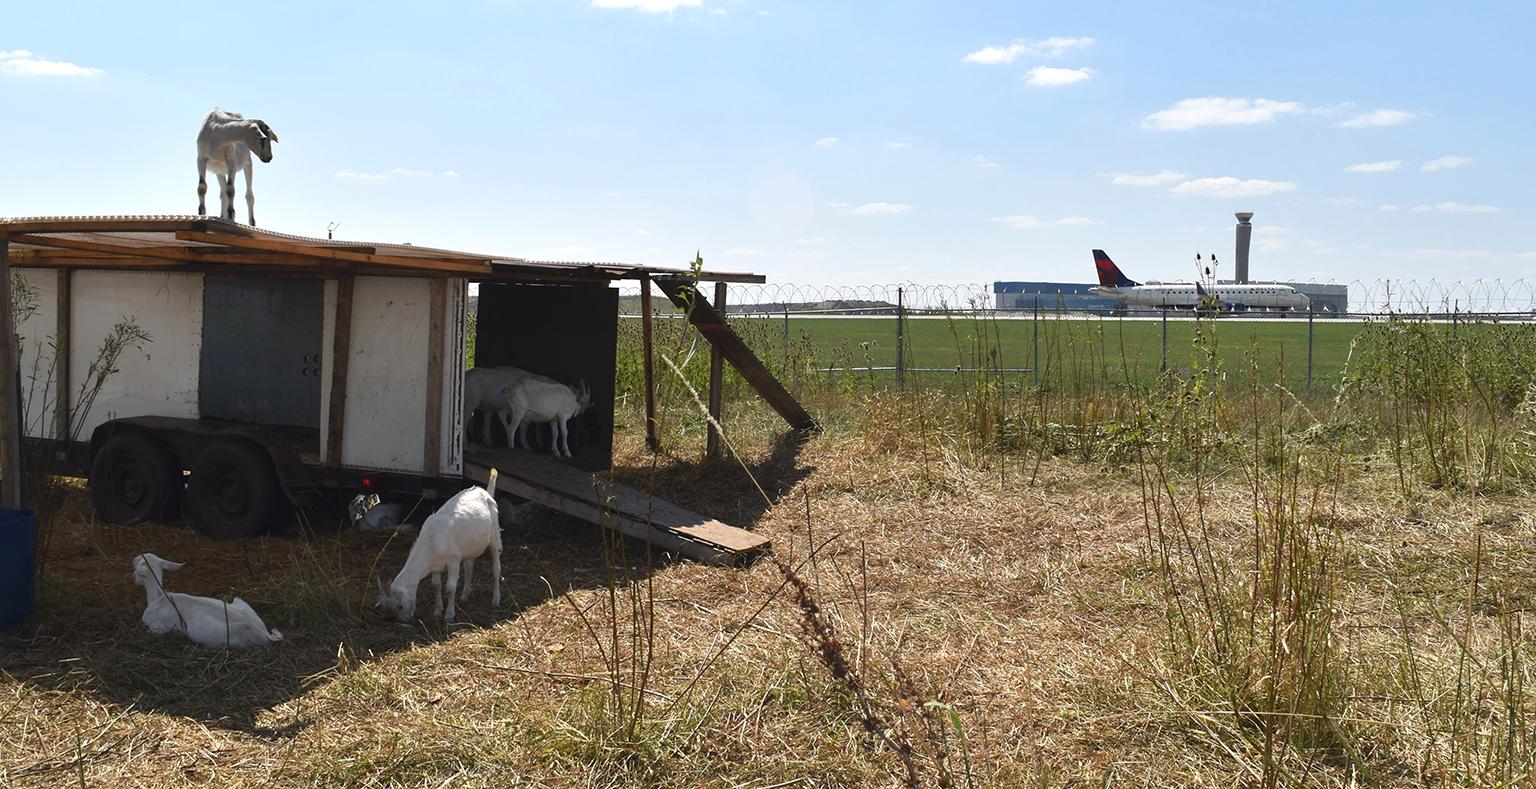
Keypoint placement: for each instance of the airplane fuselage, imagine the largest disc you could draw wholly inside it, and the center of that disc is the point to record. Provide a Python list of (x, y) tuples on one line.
[(1186, 296)]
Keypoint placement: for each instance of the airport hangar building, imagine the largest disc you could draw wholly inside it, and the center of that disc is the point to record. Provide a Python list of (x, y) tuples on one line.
[(1079, 297)]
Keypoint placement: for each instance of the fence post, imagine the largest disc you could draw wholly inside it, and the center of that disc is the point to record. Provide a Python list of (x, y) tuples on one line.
[(1310, 314), (712, 446), (1162, 364), (1455, 319), (1034, 366), (785, 370), (901, 337), (651, 441)]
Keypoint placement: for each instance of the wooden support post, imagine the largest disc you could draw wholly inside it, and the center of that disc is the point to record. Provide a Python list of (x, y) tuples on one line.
[(651, 441), (716, 380), (61, 356), (341, 351), (432, 442), (10, 483)]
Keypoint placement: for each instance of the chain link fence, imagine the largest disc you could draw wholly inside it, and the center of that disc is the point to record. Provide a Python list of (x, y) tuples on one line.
[(893, 334)]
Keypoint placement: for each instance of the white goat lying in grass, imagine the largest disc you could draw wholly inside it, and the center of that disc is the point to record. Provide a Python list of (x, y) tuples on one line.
[(452, 538), (533, 400), (208, 621)]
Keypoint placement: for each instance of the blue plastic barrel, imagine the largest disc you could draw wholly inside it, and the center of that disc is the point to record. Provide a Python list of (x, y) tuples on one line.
[(18, 545)]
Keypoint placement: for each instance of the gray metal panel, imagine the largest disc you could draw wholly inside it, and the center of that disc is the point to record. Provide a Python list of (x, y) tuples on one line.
[(261, 350)]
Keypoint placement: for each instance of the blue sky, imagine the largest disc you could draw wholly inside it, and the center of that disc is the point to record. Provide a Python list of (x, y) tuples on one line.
[(818, 143)]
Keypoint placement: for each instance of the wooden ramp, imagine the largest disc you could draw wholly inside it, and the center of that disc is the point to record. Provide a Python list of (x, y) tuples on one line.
[(546, 481), (712, 325)]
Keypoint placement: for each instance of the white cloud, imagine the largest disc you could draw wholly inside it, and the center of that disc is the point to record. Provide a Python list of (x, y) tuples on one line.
[(387, 175), (1227, 186), (1449, 207), (872, 209), (984, 162), (1050, 77), (1377, 118), (898, 145), (1048, 48), (717, 12), (764, 13), (1445, 163), (450, 173), (21, 63), (827, 142), (1388, 208), (1215, 111), (1025, 222), (648, 6), (1375, 167), (1158, 178)]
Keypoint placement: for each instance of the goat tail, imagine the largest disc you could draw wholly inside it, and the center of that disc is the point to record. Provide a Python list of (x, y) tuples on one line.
[(490, 483)]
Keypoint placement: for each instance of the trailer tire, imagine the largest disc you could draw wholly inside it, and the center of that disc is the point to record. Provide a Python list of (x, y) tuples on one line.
[(232, 491), (132, 481)]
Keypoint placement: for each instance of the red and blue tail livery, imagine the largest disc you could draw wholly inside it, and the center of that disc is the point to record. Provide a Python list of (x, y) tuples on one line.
[(1110, 275)]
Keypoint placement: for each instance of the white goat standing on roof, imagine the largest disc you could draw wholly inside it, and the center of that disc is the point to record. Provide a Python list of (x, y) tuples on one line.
[(224, 144)]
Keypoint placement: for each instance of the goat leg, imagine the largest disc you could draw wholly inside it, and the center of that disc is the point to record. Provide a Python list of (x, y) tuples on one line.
[(453, 583), (202, 186)]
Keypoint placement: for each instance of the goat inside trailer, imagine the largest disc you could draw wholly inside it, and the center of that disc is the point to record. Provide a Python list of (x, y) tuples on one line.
[(348, 356)]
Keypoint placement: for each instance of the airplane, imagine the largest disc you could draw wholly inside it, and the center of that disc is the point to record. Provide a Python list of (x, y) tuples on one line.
[(1226, 297)]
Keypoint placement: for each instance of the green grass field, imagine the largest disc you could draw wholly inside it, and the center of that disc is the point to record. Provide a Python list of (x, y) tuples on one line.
[(1108, 346)]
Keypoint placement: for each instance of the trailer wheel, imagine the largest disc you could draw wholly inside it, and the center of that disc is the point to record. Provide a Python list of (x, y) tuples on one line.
[(232, 492), (131, 480)]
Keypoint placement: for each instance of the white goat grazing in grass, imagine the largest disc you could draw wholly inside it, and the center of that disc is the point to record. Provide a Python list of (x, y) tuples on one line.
[(534, 400), (451, 539), (224, 145), (206, 620)]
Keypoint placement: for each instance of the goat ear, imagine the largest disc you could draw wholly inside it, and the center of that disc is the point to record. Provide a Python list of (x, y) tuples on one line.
[(169, 565)]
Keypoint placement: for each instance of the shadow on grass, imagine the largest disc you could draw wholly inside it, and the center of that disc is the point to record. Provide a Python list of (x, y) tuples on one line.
[(319, 591)]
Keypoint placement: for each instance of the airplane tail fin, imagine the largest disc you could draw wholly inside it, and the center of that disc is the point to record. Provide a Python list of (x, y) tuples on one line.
[(1110, 275)]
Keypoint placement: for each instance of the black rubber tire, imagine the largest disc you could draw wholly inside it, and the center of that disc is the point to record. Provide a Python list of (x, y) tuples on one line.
[(232, 491), (132, 480)]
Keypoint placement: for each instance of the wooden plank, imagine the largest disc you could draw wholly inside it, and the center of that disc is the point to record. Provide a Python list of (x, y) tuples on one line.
[(10, 482), (715, 438), (652, 442), (436, 328), (600, 500), (719, 334), (175, 253), (61, 401), (458, 266), (341, 351), (608, 519), (88, 224)]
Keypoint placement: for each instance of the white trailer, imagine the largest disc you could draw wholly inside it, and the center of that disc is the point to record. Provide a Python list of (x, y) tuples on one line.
[(284, 371)]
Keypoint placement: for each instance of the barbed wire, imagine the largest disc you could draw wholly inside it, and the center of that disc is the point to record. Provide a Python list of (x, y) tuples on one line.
[(1492, 297)]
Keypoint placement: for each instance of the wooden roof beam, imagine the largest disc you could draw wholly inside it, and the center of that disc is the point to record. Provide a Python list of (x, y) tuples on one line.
[(174, 253), (451, 265)]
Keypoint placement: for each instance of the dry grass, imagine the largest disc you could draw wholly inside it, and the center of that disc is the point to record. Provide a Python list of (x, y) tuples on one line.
[(1022, 621)]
